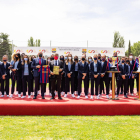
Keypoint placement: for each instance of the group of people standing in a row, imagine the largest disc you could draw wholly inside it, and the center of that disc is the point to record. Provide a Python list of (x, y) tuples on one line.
[(25, 71)]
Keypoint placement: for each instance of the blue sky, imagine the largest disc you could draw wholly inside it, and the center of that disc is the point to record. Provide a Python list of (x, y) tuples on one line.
[(70, 22)]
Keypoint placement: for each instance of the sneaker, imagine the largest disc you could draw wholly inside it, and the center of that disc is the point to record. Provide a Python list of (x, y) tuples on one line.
[(2, 95), (116, 96), (19, 95), (78, 97), (7, 95), (125, 96), (11, 95), (107, 96), (100, 95), (50, 94), (23, 97), (72, 95), (86, 97), (97, 97), (91, 97), (110, 91), (62, 93), (29, 96), (65, 95), (16, 92), (132, 94)]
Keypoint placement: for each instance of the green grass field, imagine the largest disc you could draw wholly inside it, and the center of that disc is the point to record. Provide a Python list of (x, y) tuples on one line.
[(69, 127)]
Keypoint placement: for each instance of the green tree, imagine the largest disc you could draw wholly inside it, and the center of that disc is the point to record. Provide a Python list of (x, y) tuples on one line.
[(31, 42), (129, 48), (5, 46), (118, 40)]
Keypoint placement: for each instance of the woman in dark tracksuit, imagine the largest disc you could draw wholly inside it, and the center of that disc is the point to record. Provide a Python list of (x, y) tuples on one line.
[(16, 75), (76, 74), (69, 72), (83, 75), (89, 76), (63, 76), (26, 75)]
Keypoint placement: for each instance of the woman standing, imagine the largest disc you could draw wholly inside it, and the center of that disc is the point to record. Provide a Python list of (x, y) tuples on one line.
[(69, 70), (26, 75), (76, 74)]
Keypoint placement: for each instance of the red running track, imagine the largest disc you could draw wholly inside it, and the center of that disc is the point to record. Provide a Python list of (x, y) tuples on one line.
[(69, 106)]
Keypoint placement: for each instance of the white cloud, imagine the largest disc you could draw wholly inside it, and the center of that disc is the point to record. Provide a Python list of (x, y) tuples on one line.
[(73, 21)]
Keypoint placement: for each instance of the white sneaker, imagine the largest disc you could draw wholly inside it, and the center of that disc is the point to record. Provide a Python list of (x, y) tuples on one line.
[(62, 93), (4, 92), (50, 94), (91, 97), (132, 94), (100, 95), (110, 91), (16, 92), (23, 97), (107, 96), (19, 95), (97, 97), (55, 92), (65, 96), (7, 95), (2, 95), (116, 96), (72, 95), (11, 95), (86, 97), (29, 96), (78, 97)]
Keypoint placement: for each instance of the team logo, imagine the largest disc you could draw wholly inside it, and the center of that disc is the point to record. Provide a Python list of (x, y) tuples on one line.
[(66, 52), (92, 51), (29, 51), (53, 50), (104, 51), (117, 52), (84, 50), (16, 51), (43, 51)]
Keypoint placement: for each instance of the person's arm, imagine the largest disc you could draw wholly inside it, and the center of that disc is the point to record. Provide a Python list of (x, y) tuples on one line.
[(79, 69), (33, 66), (91, 68)]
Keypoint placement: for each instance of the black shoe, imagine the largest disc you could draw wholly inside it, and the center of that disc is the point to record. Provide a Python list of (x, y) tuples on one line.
[(60, 98), (43, 97), (52, 98), (125, 96), (34, 97), (121, 92)]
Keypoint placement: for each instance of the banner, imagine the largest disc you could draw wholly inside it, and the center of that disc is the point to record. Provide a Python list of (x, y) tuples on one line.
[(90, 51), (107, 51), (32, 50)]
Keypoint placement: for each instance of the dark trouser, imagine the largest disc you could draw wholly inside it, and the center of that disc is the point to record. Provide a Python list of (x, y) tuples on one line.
[(85, 86), (7, 86), (37, 83), (131, 85), (26, 79), (110, 82), (53, 86), (76, 81), (106, 79), (68, 84), (44, 87), (49, 85), (97, 82), (0, 84), (120, 83), (31, 85), (18, 84), (63, 83)]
